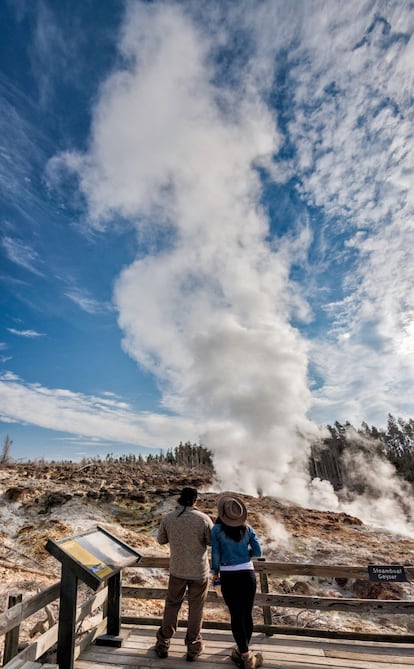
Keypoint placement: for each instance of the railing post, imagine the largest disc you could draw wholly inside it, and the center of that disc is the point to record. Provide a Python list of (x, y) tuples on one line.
[(67, 618), (114, 605), (264, 587), (11, 641)]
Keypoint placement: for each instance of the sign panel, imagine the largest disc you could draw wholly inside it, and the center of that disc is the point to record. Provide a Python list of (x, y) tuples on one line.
[(387, 573), (94, 556)]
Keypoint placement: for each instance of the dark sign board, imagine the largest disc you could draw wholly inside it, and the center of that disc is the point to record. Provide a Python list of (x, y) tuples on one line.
[(386, 573), (93, 556)]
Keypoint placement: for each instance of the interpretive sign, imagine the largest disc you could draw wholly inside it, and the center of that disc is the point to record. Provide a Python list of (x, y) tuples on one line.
[(94, 556), (393, 573)]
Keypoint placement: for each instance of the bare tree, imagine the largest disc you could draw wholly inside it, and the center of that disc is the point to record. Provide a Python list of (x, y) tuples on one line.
[(5, 453)]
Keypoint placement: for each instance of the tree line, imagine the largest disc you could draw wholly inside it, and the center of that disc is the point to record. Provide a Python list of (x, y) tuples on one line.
[(328, 459), (395, 443), (184, 455)]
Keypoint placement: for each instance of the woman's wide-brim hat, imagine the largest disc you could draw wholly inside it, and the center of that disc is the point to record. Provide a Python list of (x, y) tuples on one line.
[(231, 510)]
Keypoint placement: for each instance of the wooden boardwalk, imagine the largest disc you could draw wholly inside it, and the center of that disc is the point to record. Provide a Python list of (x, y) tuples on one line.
[(279, 651)]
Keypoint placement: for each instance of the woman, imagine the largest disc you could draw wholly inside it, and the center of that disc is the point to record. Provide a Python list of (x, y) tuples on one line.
[(233, 545)]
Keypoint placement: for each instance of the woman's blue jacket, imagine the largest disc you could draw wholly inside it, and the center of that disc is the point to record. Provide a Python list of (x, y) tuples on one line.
[(227, 552)]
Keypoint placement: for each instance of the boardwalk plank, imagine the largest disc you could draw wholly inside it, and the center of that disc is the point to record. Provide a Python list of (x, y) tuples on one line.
[(380, 658), (223, 636), (279, 653)]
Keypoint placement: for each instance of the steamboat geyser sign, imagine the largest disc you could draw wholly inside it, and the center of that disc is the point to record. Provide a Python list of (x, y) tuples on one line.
[(392, 572)]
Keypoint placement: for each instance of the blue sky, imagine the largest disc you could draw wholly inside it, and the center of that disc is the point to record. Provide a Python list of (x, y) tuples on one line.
[(206, 224)]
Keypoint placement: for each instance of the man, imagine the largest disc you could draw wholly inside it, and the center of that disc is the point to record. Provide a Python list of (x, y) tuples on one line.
[(188, 531)]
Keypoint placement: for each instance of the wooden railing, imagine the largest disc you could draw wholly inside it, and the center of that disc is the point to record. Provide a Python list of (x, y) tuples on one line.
[(11, 619), (267, 600)]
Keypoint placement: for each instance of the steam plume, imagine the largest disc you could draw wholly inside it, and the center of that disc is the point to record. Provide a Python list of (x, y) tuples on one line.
[(208, 307)]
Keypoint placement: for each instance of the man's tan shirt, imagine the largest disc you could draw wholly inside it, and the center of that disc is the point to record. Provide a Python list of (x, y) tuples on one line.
[(188, 535)]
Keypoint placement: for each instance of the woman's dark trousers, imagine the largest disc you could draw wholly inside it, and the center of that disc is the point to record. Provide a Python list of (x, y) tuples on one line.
[(238, 589)]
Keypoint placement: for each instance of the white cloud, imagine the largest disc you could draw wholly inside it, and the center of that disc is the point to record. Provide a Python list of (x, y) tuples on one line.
[(88, 416), (348, 72), (86, 302), (55, 49), (29, 334), (368, 124), (23, 148), (9, 376), (22, 254)]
